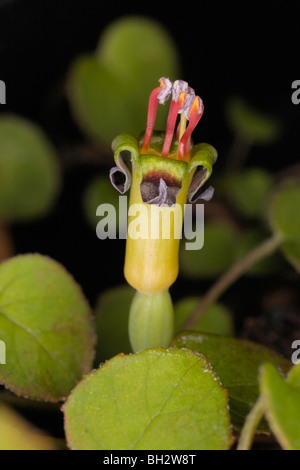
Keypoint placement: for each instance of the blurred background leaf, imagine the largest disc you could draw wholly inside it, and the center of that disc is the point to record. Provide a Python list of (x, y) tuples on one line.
[(248, 240), (251, 124), (29, 170), (18, 434), (284, 217), (247, 191), (108, 92), (215, 319), (99, 191), (216, 255)]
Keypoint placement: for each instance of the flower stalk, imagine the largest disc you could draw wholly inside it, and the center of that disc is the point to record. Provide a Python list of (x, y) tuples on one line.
[(151, 320)]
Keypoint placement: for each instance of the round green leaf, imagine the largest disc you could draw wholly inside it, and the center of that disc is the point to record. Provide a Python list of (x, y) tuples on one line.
[(17, 434), (236, 362), (46, 326), (252, 125), (215, 319), (282, 407), (248, 191), (158, 399), (111, 318), (215, 256), (29, 174), (109, 91), (133, 45), (285, 220)]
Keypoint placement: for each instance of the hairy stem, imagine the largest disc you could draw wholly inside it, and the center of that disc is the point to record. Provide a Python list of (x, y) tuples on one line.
[(266, 248), (250, 425)]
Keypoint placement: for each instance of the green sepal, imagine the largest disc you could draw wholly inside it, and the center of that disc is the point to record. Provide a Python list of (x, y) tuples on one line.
[(203, 155), (122, 144), (127, 142)]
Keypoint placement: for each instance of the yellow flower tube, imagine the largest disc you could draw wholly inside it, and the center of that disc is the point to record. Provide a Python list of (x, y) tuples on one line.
[(151, 260)]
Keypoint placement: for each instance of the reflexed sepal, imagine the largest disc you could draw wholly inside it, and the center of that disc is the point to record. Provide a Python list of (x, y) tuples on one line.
[(204, 156), (126, 154)]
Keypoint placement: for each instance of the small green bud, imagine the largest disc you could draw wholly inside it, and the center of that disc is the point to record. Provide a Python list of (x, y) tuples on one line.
[(151, 320)]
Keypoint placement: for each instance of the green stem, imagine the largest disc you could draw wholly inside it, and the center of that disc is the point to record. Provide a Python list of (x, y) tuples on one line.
[(151, 320), (266, 248), (250, 425)]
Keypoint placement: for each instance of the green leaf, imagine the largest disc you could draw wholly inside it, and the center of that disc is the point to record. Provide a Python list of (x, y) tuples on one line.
[(29, 173), (111, 318), (248, 191), (281, 400), (216, 255), (158, 399), (109, 91), (285, 220), (236, 362), (215, 319), (46, 327), (251, 124), (293, 377), (17, 434)]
